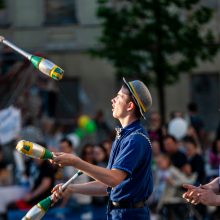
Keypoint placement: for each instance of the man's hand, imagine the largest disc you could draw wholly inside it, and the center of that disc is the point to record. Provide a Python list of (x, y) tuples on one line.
[(58, 193), (191, 195), (65, 159), (208, 197), (201, 194)]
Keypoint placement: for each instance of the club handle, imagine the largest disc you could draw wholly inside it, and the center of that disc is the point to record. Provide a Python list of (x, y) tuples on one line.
[(64, 186), (19, 50), (71, 179)]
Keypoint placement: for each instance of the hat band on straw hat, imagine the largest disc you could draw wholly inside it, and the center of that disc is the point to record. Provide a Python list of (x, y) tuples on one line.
[(137, 97)]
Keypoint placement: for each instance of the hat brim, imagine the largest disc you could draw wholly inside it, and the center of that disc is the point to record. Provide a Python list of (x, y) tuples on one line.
[(136, 101)]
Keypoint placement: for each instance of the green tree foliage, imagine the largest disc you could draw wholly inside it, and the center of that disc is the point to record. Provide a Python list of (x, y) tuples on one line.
[(155, 40)]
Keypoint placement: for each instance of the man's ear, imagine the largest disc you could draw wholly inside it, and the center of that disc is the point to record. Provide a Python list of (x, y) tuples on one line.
[(131, 106)]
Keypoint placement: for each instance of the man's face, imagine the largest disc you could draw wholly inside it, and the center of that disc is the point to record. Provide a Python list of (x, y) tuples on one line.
[(120, 104)]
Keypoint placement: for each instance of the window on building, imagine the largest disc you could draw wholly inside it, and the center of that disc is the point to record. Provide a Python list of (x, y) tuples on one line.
[(205, 92), (60, 12)]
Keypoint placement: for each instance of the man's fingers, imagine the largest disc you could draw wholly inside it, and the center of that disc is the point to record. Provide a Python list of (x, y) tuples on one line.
[(57, 153), (55, 188), (185, 197), (56, 159)]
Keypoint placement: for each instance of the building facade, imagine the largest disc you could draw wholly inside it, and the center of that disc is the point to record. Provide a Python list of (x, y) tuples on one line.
[(64, 30)]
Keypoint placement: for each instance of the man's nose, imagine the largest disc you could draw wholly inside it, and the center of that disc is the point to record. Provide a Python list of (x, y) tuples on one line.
[(113, 100)]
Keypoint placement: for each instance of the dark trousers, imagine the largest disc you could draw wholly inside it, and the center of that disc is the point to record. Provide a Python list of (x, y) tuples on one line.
[(129, 214)]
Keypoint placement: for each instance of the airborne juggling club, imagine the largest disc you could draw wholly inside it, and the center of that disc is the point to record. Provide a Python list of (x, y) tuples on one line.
[(45, 66), (39, 210)]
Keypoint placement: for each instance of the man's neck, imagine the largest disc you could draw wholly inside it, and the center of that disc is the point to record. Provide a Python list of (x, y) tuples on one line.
[(126, 121)]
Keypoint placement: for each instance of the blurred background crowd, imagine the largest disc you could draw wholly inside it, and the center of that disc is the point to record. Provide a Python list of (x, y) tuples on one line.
[(183, 152)]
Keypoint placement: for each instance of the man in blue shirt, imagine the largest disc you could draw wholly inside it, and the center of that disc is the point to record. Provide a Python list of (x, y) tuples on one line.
[(127, 180)]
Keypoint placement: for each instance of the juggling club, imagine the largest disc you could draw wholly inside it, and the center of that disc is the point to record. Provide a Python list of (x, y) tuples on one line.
[(39, 210), (45, 66), (33, 150)]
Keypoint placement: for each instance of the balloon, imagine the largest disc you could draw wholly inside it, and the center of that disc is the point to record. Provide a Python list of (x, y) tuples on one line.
[(178, 128), (90, 127), (74, 139), (79, 132), (83, 120)]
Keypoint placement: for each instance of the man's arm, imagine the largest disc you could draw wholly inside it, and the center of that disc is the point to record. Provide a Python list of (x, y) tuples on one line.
[(108, 177), (93, 188), (208, 197), (213, 185)]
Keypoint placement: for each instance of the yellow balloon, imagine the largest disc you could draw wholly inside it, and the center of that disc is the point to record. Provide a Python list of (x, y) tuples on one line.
[(83, 120)]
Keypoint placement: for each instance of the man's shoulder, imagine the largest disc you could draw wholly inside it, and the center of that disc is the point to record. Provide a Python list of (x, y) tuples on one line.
[(139, 136)]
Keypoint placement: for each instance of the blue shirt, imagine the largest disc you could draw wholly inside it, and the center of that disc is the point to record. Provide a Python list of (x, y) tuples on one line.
[(131, 152)]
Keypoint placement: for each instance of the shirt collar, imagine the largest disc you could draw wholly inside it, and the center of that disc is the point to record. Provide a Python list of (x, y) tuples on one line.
[(129, 127)]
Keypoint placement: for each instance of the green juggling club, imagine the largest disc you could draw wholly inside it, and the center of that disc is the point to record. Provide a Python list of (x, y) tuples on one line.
[(39, 210), (45, 66)]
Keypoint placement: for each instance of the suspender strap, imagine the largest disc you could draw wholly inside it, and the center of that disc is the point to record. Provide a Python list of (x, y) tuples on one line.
[(145, 136)]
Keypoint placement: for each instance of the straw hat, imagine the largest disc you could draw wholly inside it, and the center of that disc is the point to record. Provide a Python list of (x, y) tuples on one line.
[(141, 95)]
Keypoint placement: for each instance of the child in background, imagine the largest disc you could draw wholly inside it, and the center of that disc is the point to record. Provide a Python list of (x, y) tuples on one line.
[(168, 182)]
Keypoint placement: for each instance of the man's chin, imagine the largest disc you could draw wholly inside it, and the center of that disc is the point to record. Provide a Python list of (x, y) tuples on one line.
[(114, 115)]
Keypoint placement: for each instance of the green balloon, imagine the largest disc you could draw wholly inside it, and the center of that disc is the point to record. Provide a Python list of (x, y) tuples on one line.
[(79, 132), (90, 127)]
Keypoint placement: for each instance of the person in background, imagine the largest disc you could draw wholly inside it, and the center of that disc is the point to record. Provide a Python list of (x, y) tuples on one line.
[(191, 132), (5, 171), (156, 148), (168, 182), (66, 146), (195, 120), (176, 114), (156, 131), (30, 131), (9, 191), (87, 153), (196, 161), (85, 201), (171, 147), (100, 155), (156, 152), (214, 155), (51, 134), (107, 144), (102, 128), (197, 164), (100, 159)]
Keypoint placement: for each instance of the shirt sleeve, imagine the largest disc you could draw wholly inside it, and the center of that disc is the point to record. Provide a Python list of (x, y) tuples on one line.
[(132, 152)]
